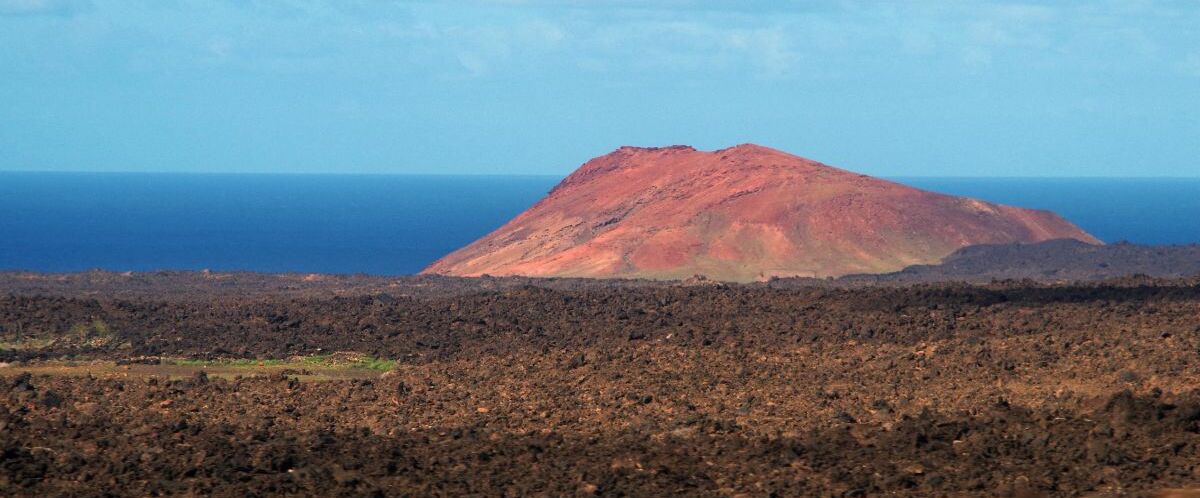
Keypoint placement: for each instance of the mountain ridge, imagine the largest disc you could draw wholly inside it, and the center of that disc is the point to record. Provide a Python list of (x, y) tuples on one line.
[(741, 213)]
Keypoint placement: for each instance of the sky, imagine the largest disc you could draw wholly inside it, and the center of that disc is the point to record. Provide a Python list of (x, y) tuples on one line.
[(918, 88)]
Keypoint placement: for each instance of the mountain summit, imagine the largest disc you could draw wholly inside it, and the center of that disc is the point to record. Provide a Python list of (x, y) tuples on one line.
[(739, 214)]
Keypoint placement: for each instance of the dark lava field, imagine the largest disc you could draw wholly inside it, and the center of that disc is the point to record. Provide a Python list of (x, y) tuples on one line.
[(518, 387)]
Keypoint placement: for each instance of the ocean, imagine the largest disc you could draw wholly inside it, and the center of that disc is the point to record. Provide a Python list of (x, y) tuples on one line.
[(392, 225)]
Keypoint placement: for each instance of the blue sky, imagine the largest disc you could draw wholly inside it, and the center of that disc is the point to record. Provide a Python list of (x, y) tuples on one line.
[(928, 88)]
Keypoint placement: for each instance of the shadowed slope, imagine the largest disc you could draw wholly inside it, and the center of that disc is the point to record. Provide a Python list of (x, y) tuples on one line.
[(743, 213)]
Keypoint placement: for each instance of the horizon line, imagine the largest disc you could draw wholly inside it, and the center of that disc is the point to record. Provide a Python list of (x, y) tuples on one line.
[(549, 175)]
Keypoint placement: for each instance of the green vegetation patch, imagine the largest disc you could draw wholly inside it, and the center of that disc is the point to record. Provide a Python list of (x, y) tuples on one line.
[(328, 361), (27, 344), (93, 334), (348, 360), (238, 363)]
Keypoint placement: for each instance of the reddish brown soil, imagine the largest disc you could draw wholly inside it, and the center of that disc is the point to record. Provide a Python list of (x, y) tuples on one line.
[(430, 433), (1009, 389), (742, 214)]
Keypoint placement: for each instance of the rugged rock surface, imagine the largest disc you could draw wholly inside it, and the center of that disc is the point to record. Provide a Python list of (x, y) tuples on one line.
[(739, 214), (1006, 389), (1055, 260)]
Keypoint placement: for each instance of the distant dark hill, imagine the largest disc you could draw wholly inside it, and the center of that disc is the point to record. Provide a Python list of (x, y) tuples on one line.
[(1063, 259)]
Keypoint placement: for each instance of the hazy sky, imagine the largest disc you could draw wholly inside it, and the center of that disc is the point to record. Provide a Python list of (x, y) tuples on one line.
[(1098, 88)]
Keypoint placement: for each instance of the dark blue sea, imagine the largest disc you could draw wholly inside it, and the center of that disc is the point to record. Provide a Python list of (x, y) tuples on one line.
[(398, 224)]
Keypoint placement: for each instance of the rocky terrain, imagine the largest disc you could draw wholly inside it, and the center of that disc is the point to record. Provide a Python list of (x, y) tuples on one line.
[(612, 388), (1050, 261), (742, 214)]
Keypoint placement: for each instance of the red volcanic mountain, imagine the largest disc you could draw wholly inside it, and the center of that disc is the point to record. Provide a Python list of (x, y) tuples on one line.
[(738, 214)]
